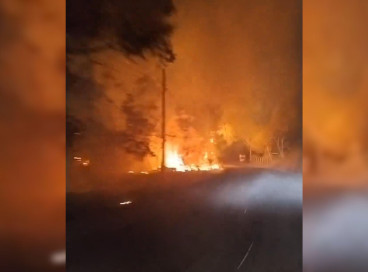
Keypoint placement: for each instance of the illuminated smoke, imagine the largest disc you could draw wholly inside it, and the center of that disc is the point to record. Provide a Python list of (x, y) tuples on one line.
[(237, 66), (267, 192)]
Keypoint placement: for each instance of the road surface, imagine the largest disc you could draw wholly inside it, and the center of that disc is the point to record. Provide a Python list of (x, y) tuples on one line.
[(247, 220)]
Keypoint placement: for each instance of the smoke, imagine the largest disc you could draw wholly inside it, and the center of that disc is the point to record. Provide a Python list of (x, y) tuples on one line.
[(335, 96), (32, 129), (139, 125), (111, 90), (273, 192), (116, 105), (236, 78), (239, 63), (334, 233)]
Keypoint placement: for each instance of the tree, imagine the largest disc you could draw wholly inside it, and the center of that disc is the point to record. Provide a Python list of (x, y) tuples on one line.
[(131, 27)]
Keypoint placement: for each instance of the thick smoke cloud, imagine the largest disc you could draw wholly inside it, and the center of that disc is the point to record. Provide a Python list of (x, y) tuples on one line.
[(122, 29), (335, 92), (32, 129), (237, 73), (240, 60)]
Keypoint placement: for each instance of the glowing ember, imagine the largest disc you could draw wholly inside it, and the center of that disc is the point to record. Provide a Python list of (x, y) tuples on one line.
[(77, 158), (131, 172), (126, 202), (86, 163)]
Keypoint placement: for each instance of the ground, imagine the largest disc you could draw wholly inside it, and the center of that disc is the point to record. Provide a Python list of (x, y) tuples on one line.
[(238, 220)]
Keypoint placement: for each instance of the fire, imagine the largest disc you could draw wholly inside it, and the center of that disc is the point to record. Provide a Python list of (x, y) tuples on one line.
[(85, 163), (81, 161), (174, 160), (199, 159)]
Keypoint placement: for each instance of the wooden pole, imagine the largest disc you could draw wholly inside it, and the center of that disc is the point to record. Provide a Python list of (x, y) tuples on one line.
[(163, 127)]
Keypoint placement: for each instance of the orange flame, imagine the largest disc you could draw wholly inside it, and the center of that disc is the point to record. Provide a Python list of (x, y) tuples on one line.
[(174, 160)]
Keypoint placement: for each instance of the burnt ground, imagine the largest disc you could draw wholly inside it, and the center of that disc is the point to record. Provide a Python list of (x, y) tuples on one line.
[(188, 222)]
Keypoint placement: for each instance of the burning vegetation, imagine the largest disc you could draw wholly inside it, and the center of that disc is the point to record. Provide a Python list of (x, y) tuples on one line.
[(208, 108)]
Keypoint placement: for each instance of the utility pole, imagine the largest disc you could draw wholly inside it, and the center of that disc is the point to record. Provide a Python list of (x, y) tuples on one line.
[(163, 127)]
